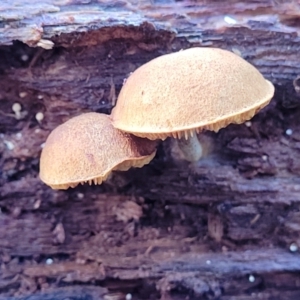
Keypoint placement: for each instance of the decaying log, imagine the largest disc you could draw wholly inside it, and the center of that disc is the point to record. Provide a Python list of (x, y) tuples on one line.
[(226, 227)]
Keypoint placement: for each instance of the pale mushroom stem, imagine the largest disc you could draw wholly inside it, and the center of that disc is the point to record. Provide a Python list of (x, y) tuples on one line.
[(191, 148)]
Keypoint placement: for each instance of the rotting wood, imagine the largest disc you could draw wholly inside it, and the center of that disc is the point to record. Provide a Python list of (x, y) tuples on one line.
[(74, 293), (205, 228)]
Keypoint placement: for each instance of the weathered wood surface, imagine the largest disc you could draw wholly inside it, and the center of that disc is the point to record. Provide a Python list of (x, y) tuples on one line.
[(219, 229)]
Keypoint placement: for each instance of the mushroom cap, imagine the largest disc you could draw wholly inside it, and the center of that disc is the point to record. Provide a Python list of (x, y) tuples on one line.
[(190, 90), (87, 148)]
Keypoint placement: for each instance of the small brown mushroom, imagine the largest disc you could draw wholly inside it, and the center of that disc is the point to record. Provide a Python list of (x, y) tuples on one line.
[(87, 148), (181, 94)]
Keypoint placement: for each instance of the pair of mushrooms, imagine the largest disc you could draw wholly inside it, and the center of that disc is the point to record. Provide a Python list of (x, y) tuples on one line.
[(175, 95)]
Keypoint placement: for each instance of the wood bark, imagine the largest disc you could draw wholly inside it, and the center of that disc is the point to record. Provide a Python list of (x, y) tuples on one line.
[(226, 227)]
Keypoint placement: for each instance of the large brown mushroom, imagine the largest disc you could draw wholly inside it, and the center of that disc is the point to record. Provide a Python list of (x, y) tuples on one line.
[(87, 148), (181, 94)]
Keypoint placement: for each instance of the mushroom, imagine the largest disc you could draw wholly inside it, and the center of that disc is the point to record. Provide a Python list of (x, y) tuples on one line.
[(87, 148), (181, 94)]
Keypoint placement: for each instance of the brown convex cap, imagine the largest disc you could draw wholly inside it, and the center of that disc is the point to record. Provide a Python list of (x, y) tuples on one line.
[(190, 90), (87, 148)]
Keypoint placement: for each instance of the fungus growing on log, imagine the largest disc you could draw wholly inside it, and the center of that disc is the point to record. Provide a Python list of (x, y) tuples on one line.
[(87, 148), (181, 94)]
